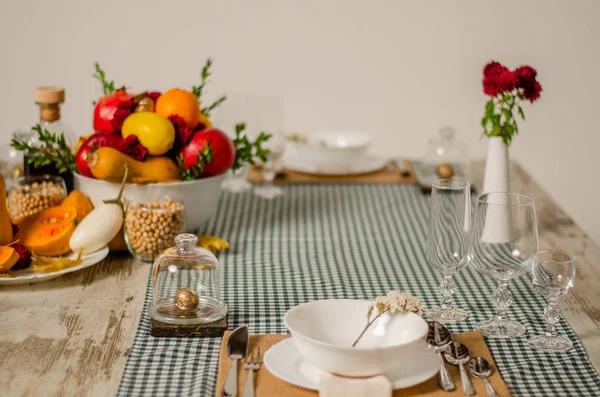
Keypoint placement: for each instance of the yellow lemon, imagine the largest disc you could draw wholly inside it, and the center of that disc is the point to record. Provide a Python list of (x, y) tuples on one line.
[(155, 132)]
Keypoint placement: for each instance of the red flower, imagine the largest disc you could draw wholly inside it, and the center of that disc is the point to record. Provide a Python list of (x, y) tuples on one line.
[(154, 95), (183, 133), (527, 81), (124, 110), (493, 69), (24, 257), (497, 79), (132, 147)]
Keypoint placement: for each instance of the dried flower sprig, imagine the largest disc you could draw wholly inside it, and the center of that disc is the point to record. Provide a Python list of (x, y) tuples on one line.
[(394, 301)]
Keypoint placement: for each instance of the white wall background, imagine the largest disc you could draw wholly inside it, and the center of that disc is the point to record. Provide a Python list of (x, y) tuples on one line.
[(398, 69)]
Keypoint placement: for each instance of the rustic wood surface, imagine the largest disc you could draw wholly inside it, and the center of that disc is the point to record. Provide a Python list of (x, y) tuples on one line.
[(70, 336)]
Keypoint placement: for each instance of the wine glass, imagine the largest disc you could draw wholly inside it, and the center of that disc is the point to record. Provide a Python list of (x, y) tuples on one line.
[(270, 121), (553, 275), (447, 242), (504, 239)]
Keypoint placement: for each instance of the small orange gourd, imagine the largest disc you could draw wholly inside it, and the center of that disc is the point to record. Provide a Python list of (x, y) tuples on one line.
[(109, 164), (118, 244), (48, 232), (8, 257), (82, 204), (6, 233)]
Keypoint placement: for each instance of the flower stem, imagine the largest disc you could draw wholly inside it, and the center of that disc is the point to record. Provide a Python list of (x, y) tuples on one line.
[(368, 325)]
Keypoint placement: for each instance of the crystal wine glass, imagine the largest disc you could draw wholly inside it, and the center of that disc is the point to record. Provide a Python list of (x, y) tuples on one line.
[(504, 240), (553, 275), (447, 242), (271, 121)]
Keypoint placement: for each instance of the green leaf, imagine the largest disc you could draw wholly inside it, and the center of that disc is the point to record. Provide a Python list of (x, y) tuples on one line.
[(204, 75), (247, 151), (108, 87), (193, 172), (520, 109), (206, 111), (53, 149)]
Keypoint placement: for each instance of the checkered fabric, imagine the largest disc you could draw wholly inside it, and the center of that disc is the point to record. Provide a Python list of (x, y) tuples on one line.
[(341, 241)]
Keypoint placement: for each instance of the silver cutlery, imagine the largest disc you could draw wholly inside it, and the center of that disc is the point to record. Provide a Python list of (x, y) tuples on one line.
[(237, 348), (251, 364), (439, 338), (480, 368), (458, 354)]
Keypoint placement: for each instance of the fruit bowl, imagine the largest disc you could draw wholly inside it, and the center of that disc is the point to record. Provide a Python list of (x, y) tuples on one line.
[(200, 197)]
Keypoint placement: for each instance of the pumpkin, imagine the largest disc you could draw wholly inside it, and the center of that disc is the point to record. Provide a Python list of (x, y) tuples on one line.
[(48, 232), (109, 164), (118, 244), (82, 204), (6, 231), (8, 257)]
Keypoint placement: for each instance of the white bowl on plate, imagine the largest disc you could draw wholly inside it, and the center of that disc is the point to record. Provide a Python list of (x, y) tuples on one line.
[(334, 149), (323, 332), (200, 198)]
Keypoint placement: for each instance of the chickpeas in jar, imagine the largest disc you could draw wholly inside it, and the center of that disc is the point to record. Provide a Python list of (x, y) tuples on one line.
[(33, 194), (150, 228)]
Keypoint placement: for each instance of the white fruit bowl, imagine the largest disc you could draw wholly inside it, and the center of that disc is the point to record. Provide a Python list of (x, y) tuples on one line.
[(323, 332), (200, 198)]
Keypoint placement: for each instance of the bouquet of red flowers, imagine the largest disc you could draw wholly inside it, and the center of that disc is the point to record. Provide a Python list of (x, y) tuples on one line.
[(507, 89)]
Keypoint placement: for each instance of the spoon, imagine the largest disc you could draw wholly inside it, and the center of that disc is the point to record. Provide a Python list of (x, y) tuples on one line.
[(439, 338), (481, 369), (458, 354)]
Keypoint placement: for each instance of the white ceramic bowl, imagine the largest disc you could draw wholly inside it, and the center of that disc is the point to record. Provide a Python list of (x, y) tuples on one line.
[(324, 331), (200, 198), (335, 148)]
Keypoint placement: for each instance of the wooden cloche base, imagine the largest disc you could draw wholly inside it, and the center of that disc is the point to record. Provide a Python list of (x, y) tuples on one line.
[(160, 329)]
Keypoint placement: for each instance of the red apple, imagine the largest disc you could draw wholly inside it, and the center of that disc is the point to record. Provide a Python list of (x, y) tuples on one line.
[(223, 151), (105, 110)]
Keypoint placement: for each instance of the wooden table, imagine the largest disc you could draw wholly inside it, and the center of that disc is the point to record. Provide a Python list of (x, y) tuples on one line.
[(70, 336)]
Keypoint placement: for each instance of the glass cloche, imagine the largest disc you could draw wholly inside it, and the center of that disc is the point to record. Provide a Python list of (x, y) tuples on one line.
[(445, 157), (185, 281)]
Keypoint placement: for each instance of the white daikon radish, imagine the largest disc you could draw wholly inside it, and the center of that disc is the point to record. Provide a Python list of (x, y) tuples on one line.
[(100, 226)]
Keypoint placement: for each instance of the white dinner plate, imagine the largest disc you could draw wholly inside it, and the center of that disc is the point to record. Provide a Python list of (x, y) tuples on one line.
[(29, 275), (363, 165), (285, 362)]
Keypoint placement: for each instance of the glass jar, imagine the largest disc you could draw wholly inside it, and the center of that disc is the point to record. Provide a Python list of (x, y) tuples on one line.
[(32, 194), (185, 284), (445, 157), (150, 228)]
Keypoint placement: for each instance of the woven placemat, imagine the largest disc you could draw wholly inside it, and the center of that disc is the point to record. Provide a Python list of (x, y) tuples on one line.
[(267, 385), (391, 174)]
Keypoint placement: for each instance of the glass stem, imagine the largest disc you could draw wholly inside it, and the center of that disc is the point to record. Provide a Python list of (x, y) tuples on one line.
[(501, 299), (551, 316), (268, 173), (447, 289)]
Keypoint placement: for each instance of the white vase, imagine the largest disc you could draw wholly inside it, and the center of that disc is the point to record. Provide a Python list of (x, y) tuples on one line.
[(498, 225), (496, 178)]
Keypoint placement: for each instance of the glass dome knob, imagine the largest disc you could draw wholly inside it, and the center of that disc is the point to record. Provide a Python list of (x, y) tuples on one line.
[(186, 243)]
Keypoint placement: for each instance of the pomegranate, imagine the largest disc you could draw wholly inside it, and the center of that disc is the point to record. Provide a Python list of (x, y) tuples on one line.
[(223, 151), (105, 110)]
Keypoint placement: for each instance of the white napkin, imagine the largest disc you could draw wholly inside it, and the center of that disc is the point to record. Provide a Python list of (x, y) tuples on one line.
[(337, 386)]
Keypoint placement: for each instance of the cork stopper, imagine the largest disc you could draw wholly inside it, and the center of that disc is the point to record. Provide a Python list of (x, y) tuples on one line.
[(49, 99), (49, 95)]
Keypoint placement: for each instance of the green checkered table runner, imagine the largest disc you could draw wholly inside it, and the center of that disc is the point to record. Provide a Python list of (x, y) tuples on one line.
[(341, 241)]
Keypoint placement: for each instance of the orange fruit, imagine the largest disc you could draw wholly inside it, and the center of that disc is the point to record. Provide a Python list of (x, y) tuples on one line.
[(180, 102)]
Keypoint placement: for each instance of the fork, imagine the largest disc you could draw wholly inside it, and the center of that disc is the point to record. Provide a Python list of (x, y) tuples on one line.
[(252, 363)]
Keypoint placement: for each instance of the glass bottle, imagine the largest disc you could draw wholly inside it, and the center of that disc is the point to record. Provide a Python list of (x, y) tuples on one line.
[(49, 100), (185, 284)]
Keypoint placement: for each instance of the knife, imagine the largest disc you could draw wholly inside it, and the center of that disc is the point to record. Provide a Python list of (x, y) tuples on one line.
[(237, 347)]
